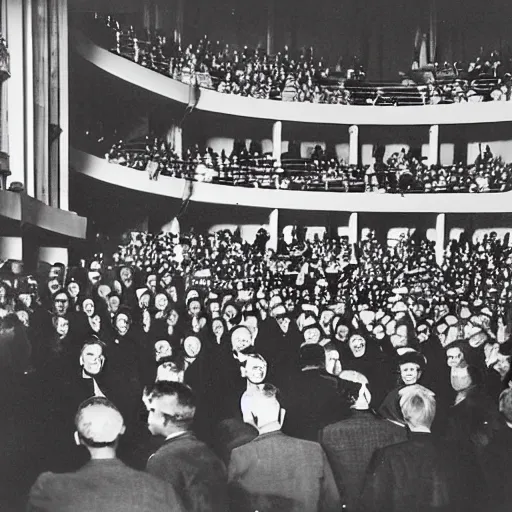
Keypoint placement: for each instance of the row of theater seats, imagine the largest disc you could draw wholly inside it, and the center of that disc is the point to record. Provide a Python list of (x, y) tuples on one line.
[(257, 74), (402, 172)]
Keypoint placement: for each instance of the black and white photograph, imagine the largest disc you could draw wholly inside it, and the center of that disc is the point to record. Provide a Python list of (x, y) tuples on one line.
[(255, 256)]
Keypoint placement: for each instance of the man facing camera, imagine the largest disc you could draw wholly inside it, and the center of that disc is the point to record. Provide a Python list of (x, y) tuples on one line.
[(275, 472), (423, 473), (104, 484), (184, 461)]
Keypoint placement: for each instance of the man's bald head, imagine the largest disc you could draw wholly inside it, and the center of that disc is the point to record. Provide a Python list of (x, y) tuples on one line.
[(98, 423)]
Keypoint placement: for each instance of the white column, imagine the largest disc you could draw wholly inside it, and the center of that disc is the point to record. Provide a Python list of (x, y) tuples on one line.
[(63, 107), (30, 177), (433, 144), (11, 247), (15, 91), (353, 132), (277, 135), (180, 16), (53, 255), (273, 229), (178, 140), (440, 237), (353, 228), (271, 14)]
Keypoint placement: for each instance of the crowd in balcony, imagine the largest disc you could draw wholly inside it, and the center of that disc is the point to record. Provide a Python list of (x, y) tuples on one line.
[(206, 372), (306, 77), (402, 172)]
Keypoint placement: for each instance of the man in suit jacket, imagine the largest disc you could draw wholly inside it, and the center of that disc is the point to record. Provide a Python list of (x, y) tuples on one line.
[(496, 459), (350, 444), (185, 462), (275, 472), (312, 398), (104, 484), (423, 473)]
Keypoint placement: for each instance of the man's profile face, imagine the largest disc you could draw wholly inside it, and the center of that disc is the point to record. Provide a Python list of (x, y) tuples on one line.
[(92, 359), (255, 370), (156, 419)]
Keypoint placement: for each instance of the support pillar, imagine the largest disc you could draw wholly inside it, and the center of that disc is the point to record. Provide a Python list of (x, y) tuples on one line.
[(273, 229), (353, 132), (41, 114), (277, 135), (63, 107), (178, 140), (433, 144), (353, 228), (11, 248), (30, 179), (180, 17), (271, 23), (440, 237), (15, 86), (51, 255)]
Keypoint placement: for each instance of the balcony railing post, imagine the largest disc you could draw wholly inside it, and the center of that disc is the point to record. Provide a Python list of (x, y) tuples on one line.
[(440, 237), (353, 132), (277, 135), (353, 228), (273, 229), (178, 140), (433, 144)]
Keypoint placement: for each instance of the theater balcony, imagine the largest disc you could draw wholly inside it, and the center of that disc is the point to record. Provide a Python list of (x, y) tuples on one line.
[(212, 101), (33, 231), (357, 130), (127, 199)]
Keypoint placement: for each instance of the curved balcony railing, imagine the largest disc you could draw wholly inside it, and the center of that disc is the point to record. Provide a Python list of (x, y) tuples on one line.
[(212, 101), (178, 188)]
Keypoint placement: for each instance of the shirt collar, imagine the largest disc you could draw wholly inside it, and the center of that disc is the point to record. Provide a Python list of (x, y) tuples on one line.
[(175, 434)]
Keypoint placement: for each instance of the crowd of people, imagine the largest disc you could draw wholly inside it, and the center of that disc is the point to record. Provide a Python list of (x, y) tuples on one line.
[(203, 372), (402, 172), (306, 78)]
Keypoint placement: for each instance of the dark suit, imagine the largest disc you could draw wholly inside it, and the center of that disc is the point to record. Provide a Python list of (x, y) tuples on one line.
[(102, 486), (420, 475), (498, 470), (278, 473), (194, 471), (350, 444), (312, 399)]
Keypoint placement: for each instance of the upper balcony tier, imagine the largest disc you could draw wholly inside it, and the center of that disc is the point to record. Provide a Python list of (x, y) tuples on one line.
[(212, 101), (100, 169)]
